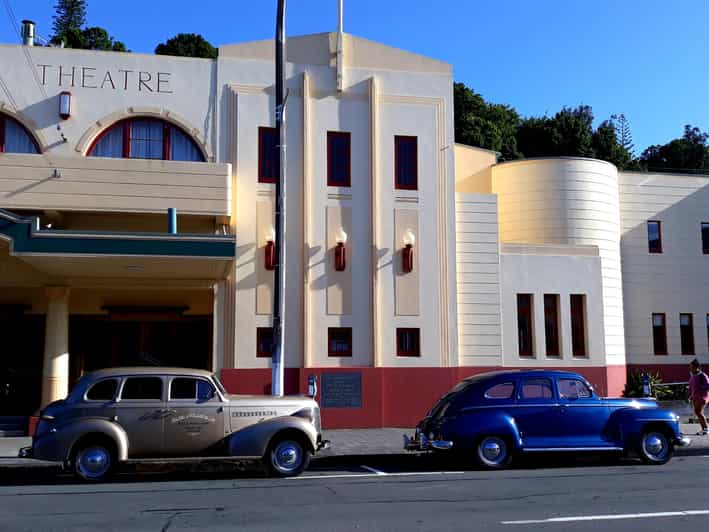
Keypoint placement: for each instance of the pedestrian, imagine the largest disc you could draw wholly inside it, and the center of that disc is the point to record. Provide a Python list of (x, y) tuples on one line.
[(699, 393)]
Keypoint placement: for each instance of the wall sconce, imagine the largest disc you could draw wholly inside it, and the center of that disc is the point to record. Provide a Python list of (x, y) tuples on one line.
[(270, 250), (341, 250), (65, 104), (407, 253)]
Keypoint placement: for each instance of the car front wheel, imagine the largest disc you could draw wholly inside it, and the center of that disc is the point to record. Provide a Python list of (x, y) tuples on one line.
[(655, 447), (493, 452), (94, 462), (287, 457)]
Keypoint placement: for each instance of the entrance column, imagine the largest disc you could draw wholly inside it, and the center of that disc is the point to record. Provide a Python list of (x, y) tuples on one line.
[(55, 376)]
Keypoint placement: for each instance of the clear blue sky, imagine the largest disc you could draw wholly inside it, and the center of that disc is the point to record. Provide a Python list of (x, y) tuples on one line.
[(648, 59)]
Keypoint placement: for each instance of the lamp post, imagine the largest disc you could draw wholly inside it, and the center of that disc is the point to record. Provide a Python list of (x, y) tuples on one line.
[(279, 226)]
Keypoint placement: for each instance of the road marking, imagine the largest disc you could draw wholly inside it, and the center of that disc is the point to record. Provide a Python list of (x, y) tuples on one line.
[(372, 470), (374, 475), (610, 517)]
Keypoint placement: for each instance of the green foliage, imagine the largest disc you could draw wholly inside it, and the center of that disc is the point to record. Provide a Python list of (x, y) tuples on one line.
[(69, 15), (69, 20), (634, 387), (187, 45), (689, 153)]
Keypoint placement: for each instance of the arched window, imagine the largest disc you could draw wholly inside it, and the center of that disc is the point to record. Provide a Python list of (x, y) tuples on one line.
[(14, 138), (146, 138)]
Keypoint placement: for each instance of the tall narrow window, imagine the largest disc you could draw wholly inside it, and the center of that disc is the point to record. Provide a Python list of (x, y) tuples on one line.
[(551, 324), (659, 334), (525, 325), (338, 159), (406, 162), (264, 342), (14, 138), (705, 238), (686, 331), (408, 343), (268, 155), (578, 325), (339, 341), (707, 331), (654, 236)]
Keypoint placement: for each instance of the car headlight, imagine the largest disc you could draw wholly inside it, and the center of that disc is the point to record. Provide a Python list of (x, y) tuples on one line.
[(431, 435)]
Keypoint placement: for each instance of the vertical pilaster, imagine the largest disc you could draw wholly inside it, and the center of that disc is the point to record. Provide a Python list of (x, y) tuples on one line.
[(307, 236), (376, 237), (55, 374)]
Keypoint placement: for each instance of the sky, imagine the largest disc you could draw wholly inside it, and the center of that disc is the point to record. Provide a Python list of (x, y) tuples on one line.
[(647, 59)]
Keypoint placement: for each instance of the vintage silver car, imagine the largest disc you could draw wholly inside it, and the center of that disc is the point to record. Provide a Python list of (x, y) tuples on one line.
[(121, 415)]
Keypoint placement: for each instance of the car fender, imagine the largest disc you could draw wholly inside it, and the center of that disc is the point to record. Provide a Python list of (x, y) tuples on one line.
[(472, 423), (629, 423), (56, 445), (253, 441)]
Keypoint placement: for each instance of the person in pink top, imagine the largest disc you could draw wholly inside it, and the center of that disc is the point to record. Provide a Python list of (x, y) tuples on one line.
[(699, 393)]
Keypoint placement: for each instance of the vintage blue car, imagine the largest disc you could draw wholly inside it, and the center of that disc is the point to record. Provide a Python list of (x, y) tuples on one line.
[(493, 417)]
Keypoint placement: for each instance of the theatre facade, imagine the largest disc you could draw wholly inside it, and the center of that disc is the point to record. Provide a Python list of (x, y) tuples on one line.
[(411, 262)]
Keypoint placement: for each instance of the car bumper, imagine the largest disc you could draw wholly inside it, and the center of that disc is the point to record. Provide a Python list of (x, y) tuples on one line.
[(421, 443), (323, 445), (25, 452)]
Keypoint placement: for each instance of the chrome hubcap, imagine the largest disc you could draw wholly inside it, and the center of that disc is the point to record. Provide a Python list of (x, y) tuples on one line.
[(655, 445), (287, 456), (93, 462), (493, 451)]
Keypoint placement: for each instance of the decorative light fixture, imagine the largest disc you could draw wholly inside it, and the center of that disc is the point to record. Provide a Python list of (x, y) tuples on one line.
[(270, 250), (65, 104), (407, 253), (340, 250)]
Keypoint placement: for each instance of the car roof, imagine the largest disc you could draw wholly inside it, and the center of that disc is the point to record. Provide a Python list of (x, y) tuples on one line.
[(147, 370), (522, 373)]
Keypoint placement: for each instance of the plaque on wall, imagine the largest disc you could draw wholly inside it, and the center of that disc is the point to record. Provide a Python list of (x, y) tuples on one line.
[(341, 390)]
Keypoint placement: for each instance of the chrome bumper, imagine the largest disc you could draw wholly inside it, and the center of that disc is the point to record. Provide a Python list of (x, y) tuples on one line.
[(421, 443), (323, 444), (25, 452), (683, 441)]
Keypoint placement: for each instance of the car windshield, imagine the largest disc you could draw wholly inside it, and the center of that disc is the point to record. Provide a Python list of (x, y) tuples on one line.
[(219, 384)]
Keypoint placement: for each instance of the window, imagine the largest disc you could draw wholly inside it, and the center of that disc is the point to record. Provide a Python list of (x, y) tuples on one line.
[(142, 388), (707, 331), (686, 331), (339, 341), (551, 324), (14, 138), (705, 238), (578, 325), (146, 138), (504, 390), (338, 159), (659, 334), (537, 388), (104, 390), (408, 343), (525, 325), (573, 389), (406, 162), (269, 157), (191, 388), (654, 237), (264, 342)]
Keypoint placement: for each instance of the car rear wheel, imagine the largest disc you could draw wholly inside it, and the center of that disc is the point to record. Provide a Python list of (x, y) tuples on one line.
[(94, 461), (655, 447), (287, 457), (494, 452)]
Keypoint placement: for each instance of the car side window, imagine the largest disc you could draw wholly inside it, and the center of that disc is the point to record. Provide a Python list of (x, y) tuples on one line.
[(191, 388), (503, 390), (103, 390), (536, 388), (573, 389), (142, 388)]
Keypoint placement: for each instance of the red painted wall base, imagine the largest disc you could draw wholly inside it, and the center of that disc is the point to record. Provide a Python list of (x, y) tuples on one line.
[(667, 372), (393, 397)]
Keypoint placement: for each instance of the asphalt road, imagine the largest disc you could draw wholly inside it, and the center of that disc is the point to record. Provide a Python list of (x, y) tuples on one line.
[(375, 493)]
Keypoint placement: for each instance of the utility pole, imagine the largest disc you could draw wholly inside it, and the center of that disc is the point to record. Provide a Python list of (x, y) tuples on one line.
[(280, 206)]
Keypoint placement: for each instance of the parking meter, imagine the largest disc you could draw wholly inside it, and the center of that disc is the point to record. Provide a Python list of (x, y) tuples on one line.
[(646, 385), (312, 385)]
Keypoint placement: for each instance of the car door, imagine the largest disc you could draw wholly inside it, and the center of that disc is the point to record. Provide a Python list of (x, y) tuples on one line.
[(195, 419), (533, 412), (581, 415), (100, 399), (141, 412)]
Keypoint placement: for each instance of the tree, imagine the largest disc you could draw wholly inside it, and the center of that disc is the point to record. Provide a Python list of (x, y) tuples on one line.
[(622, 127), (96, 38), (69, 15), (687, 153), (187, 45)]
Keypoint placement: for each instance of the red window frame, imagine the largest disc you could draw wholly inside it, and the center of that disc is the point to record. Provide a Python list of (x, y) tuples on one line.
[(3, 118), (659, 334), (332, 332), (400, 139), (705, 237), (260, 333), (331, 159), (125, 124), (578, 325), (686, 333), (263, 164), (658, 249), (401, 351), (551, 325), (525, 325)]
